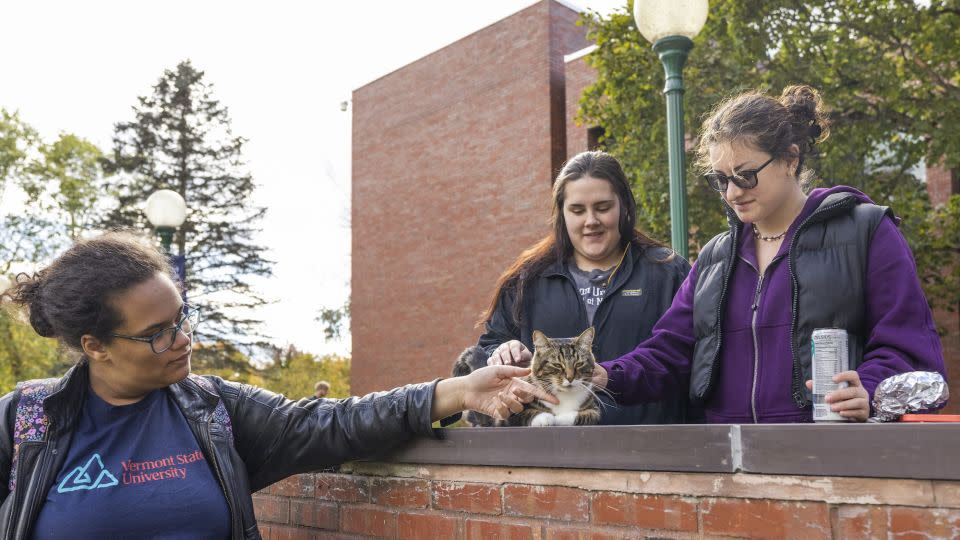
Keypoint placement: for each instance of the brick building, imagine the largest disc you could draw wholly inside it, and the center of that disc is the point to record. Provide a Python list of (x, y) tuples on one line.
[(453, 159)]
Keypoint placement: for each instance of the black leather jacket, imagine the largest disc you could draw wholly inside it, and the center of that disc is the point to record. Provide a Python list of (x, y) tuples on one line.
[(273, 437)]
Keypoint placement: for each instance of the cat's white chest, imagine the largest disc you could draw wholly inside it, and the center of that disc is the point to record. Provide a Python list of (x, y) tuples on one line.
[(570, 401)]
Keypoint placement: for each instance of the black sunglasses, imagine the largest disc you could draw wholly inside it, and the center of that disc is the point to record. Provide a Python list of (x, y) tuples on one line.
[(164, 339), (745, 179)]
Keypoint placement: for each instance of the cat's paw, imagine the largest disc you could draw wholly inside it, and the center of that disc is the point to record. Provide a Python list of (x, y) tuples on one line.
[(566, 419), (543, 419)]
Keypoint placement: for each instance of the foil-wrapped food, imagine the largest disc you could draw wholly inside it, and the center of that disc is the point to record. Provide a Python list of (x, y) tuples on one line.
[(908, 393)]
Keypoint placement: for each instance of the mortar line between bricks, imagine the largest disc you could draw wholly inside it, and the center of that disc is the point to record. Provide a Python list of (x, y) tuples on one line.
[(700, 517)]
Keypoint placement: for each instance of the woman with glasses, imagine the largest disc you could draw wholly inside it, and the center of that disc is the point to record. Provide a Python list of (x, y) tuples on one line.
[(129, 444), (738, 335)]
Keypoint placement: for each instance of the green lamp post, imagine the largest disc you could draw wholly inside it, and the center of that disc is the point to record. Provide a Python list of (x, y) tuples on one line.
[(671, 26), (166, 211)]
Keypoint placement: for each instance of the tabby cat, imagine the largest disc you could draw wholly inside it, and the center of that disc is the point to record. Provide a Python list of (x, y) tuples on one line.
[(562, 367)]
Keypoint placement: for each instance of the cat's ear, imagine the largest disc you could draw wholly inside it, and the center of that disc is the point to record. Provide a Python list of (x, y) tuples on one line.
[(585, 339), (539, 340)]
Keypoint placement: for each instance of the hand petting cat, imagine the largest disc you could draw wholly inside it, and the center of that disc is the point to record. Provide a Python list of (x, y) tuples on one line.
[(494, 390), (600, 377), (511, 353)]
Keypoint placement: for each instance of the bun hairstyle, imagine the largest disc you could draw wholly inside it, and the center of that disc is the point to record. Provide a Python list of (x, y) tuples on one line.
[(769, 124), (26, 293), (73, 295)]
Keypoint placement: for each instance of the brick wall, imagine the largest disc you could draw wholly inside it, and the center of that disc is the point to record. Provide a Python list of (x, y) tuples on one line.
[(941, 184), (453, 159), (436, 501)]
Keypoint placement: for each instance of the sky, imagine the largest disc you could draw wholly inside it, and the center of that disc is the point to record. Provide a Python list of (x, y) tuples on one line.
[(282, 68)]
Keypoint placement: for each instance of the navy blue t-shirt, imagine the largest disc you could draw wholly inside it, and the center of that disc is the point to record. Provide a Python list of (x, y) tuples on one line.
[(134, 471)]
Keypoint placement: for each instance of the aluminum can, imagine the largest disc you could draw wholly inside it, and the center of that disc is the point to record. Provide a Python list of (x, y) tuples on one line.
[(829, 357)]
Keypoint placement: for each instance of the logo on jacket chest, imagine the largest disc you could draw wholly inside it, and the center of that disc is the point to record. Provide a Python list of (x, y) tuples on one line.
[(631, 292)]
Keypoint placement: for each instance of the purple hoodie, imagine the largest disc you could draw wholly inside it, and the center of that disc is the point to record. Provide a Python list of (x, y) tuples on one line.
[(901, 336)]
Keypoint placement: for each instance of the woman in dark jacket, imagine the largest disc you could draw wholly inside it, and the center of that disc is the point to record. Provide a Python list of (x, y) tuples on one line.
[(738, 335), (130, 444), (594, 269)]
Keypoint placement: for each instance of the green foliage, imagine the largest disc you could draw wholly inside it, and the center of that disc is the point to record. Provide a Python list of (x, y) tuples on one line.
[(290, 371), (16, 140), (336, 322), (60, 182), (293, 374), (70, 175), (24, 355), (887, 71), (181, 139)]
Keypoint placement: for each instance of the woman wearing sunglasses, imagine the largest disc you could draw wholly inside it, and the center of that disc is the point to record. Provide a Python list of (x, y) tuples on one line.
[(129, 444), (738, 334)]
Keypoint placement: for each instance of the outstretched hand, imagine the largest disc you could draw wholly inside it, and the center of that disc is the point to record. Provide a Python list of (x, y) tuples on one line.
[(494, 390)]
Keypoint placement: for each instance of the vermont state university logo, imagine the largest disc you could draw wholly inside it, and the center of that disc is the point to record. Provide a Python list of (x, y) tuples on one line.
[(93, 475)]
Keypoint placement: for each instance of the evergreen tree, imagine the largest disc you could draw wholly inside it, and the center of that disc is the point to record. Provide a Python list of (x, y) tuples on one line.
[(181, 139)]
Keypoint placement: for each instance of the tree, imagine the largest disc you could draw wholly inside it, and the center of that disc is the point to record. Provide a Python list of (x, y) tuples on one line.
[(59, 183), (335, 321), (68, 174), (24, 355), (181, 139), (294, 372), (888, 71), (17, 139)]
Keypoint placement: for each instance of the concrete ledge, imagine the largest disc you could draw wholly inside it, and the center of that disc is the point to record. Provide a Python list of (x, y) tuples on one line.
[(893, 450), (907, 451), (701, 448)]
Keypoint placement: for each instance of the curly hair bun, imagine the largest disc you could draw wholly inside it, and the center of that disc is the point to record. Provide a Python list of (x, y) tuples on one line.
[(27, 293), (806, 110)]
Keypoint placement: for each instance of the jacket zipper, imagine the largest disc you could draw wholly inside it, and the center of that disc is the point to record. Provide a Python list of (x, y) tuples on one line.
[(18, 494), (755, 307), (756, 348), (44, 465), (223, 485)]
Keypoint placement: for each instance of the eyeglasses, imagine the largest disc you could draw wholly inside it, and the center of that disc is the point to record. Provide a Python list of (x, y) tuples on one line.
[(745, 179), (164, 339)]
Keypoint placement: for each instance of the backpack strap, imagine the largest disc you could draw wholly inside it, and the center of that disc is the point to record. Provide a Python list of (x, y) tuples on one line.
[(220, 414), (31, 422)]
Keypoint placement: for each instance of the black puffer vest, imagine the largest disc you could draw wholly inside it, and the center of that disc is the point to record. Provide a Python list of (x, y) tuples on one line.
[(828, 261)]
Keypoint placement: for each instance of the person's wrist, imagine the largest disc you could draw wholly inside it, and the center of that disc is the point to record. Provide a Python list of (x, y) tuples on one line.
[(459, 389)]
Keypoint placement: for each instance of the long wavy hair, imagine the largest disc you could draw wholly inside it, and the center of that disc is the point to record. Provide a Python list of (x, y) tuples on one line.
[(557, 246)]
